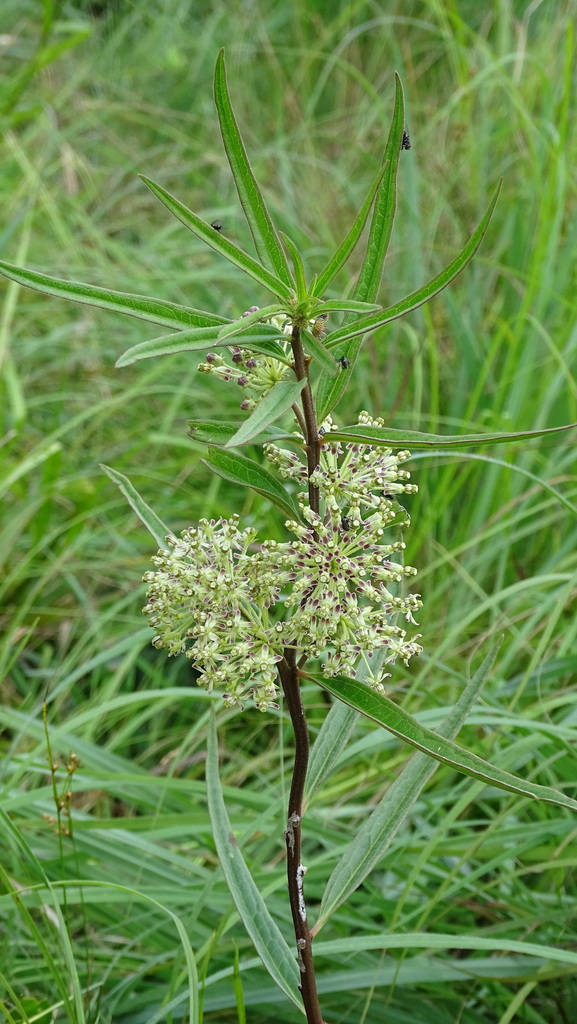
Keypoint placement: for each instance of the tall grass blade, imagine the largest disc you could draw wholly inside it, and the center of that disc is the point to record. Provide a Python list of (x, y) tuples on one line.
[(378, 831), (269, 943)]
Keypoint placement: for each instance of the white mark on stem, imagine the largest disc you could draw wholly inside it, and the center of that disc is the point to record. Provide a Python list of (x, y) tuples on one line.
[(301, 872), (293, 822)]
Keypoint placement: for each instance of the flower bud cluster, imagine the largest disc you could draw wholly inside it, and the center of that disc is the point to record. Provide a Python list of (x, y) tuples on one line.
[(332, 593), (257, 374), (209, 599)]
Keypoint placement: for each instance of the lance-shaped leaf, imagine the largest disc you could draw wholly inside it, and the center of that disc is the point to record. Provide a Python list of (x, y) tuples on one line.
[(202, 338), (398, 721), (278, 400), (218, 241), (421, 295), (156, 311), (315, 348), (213, 432), (346, 247), (246, 472), (378, 831), (335, 732), (243, 322), (264, 933), (298, 265), (368, 284), (267, 243), (396, 438), (153, 524), (349, 305), (329, 392)]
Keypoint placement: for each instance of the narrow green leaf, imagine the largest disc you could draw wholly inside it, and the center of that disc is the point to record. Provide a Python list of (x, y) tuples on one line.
[(262, 930), (201, 339), (349, 305), (218, 241), (156, 311), (329, 392), (398, 721), (215, 433), (348, 244), (377, 832), (266, 240), (369, 280), (422, 295), (333, 737), (244, 322), (274, 404), (23, 466), (446, 941), (315, 348), (298, 266), (153, 524), (396, 438), (240, 470)]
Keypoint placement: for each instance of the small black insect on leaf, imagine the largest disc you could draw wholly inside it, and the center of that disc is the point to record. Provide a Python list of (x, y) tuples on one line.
[(216, 225), (345, 363), (345, 523), (406, 143)]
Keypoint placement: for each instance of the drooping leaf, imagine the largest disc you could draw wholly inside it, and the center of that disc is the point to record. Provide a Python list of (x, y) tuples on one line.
[(153, 524), (218, 241), (394, 437), (278, 400), (200, 339), (214, 433), (246, 472), (264, 933), (156, 311), (421, 295), (378, 831), (395, 719), (267, 243)]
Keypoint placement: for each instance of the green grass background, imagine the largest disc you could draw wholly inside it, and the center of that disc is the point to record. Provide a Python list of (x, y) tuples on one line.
[(90, 96)]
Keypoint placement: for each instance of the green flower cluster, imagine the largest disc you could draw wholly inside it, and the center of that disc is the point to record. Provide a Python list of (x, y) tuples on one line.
[(331, 593)]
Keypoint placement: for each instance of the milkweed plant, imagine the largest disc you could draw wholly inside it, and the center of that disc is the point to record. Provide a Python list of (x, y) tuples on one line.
[(332, 602)]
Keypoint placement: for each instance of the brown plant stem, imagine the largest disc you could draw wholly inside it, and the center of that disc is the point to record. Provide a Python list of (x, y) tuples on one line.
[(289, 675), (313, 445)]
